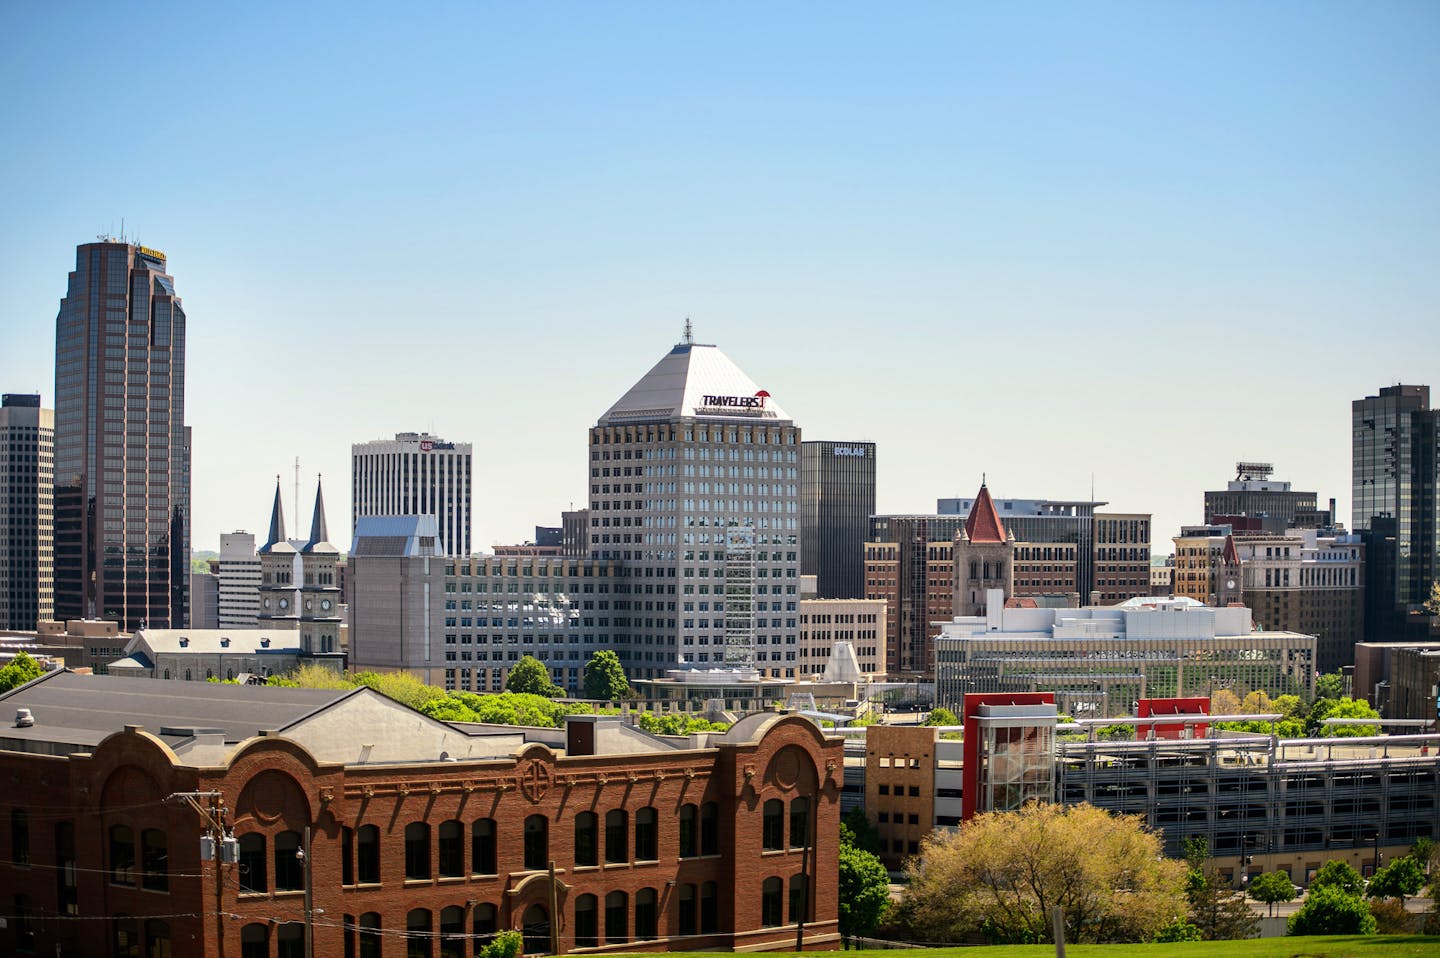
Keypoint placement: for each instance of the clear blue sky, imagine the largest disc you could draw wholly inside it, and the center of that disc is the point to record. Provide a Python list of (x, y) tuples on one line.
[(1135, 240)]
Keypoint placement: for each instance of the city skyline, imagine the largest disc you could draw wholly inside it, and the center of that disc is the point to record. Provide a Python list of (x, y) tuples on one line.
[(1134, 243)]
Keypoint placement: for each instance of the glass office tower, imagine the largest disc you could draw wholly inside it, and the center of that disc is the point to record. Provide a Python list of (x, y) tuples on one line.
[(122, 455)]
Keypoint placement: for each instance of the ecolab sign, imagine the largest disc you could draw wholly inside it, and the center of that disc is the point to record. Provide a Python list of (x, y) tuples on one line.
[(858, 451), (756, 401)]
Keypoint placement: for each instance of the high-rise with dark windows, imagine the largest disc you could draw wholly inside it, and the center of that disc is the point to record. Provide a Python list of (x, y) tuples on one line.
[(122, 451), (1395, 501), (27, 451), (837, 499)]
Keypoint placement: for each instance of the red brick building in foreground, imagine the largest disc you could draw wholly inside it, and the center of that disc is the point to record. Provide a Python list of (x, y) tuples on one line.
[(398, 835)]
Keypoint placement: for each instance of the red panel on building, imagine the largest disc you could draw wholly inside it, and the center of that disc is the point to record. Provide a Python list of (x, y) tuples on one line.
[(970, 776), (1197, 705)]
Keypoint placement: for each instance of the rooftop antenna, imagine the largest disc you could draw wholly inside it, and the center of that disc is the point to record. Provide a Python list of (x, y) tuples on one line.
[(689, 333), (297, 489)]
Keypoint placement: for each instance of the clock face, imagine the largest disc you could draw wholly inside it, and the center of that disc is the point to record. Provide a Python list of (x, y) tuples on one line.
[(284, 603), (309, 604), (1229, 583), (325, 604), (267, 603)]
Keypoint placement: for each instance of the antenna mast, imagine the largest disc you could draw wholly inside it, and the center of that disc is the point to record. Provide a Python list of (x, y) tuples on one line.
[(297, 489), (689, 333)]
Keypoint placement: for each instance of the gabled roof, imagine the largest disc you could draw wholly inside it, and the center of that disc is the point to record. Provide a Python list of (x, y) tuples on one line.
[(983, 523), (319, 538), (275, 541), (269, 641), (679, 384), (1231, 555)]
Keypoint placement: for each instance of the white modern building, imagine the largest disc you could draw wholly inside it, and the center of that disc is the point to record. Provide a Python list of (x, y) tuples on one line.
[(415, 474), (1099, 660), (238, 571), (27, 520), (694, 489)]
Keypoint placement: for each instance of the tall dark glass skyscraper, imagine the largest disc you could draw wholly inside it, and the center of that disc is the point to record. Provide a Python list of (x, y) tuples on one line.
[(837, 499), (122, 456), (1394, 491)]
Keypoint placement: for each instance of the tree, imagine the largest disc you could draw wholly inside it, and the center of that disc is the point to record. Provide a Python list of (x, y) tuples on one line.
[(855, 828), (1224, 702), (1432, 604), (1215, 908), (1402, 878), (678, 724), (605, 677), (941, 716), (529, 676), (1002, 873), (22, 669), (1272, 887), (1338, 874), (1330, 910), (864, 890), (1341, 708), (1330, 686)]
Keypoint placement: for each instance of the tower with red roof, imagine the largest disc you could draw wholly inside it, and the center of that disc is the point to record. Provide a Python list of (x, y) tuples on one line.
[(984, 556)]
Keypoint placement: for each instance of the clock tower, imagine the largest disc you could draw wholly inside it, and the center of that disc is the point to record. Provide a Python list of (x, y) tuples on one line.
[(319, 594), (1229, 582), (279, 574)]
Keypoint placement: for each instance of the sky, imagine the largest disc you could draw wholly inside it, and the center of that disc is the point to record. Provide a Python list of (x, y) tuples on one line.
[(1125, 244)]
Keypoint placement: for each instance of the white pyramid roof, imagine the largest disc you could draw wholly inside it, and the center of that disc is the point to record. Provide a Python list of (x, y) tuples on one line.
[(694, 380)]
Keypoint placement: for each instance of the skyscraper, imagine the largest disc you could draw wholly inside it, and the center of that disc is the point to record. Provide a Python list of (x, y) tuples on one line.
[(837, 499), (1395, 500), (413, 475), (122, 456), (694, 477), (27, 521)]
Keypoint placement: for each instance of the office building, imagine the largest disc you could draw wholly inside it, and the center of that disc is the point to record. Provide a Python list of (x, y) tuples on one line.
[(1395, 499), (238, 575), (1053, 522), (122, 453), (1098, 660), (837, 499), (694, 489), (27, 523), (415, 474), (909, 564), (421, 838), (1253, 493), (204, 600), (575, 532), (1122, 557), (858, 623)]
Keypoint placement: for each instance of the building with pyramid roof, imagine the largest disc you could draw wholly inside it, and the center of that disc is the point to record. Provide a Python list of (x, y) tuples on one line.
[(984, 556), (694, 476)]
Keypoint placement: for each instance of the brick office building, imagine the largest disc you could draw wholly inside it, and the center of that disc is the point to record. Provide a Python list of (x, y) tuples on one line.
[(423, 838)]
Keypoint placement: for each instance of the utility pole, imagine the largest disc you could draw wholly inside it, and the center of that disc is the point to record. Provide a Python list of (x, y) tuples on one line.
[(216, 845)]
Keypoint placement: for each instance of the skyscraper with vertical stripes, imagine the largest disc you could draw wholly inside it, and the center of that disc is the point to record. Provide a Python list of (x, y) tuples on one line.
[(415, 474), (122, 450)]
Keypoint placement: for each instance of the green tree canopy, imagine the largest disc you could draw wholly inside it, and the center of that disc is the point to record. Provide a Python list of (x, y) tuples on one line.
[(604, 677), (677, 724), (1329, 910), (1402, 878), (855, 828), (1341, 708), (1330, 685), (1272, 887), (941, 716), (864, 891), (1338, 874), (21, 669), (1002, 873), (529, 676), (1215, 909)]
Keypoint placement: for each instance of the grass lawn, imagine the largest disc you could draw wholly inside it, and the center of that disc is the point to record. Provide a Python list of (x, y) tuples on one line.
[(1360, 946)]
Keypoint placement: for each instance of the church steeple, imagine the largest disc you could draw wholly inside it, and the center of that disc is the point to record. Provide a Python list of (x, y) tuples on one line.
[(277, 522), (319, 538)]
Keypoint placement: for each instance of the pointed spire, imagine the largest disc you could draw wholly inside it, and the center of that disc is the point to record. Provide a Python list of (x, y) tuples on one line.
[(317, 522), (277, 521), (1232, 555), (983, 523)]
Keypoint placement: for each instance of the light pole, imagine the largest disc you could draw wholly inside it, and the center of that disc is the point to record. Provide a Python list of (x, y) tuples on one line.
[(302, 855)]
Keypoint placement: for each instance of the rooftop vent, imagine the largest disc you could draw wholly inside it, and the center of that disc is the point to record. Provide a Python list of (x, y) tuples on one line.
[(265, 643), (224, 641), (184, 642), (24, 718)]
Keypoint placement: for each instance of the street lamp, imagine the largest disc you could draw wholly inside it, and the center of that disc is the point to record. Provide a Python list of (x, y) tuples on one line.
[(302, 855)]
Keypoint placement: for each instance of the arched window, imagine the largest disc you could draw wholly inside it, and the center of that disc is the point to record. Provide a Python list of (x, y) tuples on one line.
[(67, 878), (154, 860), (290, 940), (686, 910), (587, 839), (647, 914), (587, 922), (617, 918), (347, 855), (799, 901), (482, 846), (647, 835), (484, 922), (770, 902), (255, 941), (370, 935), (417, 938), (122, 855), (452, 932), (710, 829), (800, 822), (289, 869), (535, 928), (537, 846), (772, 827), (451, 846), (709, 908), (417, 851), (367, 855), (617, 838), (689, 831), (252, 863)]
